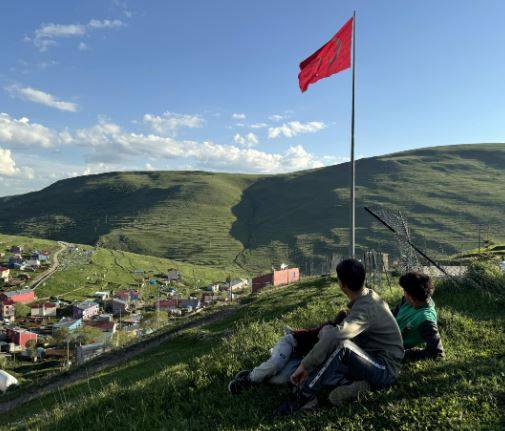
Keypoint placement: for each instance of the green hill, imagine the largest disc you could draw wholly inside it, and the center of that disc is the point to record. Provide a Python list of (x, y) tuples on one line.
[(182, 384), (253, 221)]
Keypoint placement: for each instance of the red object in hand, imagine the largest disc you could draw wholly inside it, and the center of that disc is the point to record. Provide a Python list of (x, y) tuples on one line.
[(333, 57)]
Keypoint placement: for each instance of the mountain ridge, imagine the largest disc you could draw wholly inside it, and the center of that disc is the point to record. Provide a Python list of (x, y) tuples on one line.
[(254, 221)]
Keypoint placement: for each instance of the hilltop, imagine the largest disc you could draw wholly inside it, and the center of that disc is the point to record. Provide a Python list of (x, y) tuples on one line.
[(253, 221), (182, 384)]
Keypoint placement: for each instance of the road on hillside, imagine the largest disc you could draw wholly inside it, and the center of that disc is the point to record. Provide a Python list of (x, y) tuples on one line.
[(44, 276), (107, 360)]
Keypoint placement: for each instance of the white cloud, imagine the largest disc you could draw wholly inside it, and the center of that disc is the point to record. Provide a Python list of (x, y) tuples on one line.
[(236, 116), (294, 128), (47, 34), (21, 132), (106, 23), (39, 96), (249, 140), (258, 125), (82, 46), (169, 122), (108, 143), (277, 117), (7, 163)]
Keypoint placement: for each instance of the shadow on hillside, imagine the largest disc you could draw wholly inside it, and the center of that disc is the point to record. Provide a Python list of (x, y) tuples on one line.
[(84, 208), (189, 404), (300, 211)]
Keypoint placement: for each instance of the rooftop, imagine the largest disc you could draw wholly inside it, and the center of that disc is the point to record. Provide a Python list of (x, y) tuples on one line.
[(86, 304)]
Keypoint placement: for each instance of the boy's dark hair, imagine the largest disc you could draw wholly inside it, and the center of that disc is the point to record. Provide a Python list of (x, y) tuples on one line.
[(417, 285), (351, 272)]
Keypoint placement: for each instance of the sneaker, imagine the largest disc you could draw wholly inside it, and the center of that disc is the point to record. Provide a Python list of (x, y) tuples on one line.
[(298, 402), (348, 392), (240, 382)]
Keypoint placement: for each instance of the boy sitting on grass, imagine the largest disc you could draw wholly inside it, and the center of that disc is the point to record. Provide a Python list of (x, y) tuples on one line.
[(417, 318), (362, 349)]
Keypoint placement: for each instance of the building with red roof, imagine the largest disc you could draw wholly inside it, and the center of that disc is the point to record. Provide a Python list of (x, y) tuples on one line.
[(20, 336), (24, 296), (276, 278)]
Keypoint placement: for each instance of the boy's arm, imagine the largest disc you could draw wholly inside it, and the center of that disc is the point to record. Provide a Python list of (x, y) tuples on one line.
[(354, 324), (307, 338), (433, 349)]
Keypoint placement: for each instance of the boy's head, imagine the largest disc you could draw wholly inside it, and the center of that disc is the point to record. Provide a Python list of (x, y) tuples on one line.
[(417, 287), (351, 274)]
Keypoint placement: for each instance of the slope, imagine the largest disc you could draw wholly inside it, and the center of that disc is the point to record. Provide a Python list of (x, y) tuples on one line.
[(81, 274), (182, 384), (254, 221)]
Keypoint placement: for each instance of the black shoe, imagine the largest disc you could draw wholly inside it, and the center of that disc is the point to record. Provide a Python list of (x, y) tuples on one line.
[(298, 402), (240, 382)]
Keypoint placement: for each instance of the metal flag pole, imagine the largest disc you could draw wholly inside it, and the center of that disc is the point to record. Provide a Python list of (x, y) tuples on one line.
[(352, 242)]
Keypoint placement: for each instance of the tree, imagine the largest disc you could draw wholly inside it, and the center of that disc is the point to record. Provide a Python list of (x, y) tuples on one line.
[(31, 348), (21, 310), (87, 335), (61, 336)]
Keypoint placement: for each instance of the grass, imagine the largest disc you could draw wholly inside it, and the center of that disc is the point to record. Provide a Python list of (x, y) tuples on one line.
[(252, 221), (80, 276), (182, 384)]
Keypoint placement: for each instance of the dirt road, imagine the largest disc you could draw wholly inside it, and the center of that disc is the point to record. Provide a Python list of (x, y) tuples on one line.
[(44, 276)]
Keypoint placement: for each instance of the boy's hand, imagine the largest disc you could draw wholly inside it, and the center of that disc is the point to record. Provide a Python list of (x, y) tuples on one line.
[(299, 376)]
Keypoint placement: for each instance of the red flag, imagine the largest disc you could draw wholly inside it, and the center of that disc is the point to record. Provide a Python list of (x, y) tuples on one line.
[(333, 57)]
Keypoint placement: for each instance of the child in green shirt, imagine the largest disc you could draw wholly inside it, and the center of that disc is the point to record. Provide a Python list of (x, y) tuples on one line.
[(417, 318)]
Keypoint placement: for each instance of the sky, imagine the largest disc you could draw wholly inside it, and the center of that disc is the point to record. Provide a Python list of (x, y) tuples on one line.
[(111, 85)]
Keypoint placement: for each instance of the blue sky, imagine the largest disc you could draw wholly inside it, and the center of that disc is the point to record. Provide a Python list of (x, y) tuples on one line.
[(101, 85)]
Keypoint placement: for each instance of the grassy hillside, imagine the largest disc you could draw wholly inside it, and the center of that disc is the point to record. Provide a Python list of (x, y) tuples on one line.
[(81, 275), (182, 385), (254, 221)]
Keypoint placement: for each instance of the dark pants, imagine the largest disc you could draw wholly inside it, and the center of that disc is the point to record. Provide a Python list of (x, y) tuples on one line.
[(346, 364)]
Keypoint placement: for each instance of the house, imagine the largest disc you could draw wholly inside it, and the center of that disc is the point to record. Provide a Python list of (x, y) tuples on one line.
[(127, 295), (33, 263), (20, 336), (67, 323), (276, 278), (119, 307), (89, 351), (166, 304), (101, 296), (105, 317), (16, 261), (213, 287), (7, 311), (17, 249), (4, 274), (85, 310), (24, 296), (173, 274), (238, 283), (40, 256), (190, 303), (209, 298), (46, 309)]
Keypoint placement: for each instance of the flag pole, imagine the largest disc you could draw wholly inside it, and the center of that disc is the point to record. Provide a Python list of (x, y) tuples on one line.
[(352, 242)]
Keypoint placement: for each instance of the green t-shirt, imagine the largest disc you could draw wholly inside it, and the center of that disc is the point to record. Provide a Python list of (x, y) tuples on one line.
[(409, 319)]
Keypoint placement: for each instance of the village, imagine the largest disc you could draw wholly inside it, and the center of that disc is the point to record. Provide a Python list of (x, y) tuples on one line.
[(56, 333)]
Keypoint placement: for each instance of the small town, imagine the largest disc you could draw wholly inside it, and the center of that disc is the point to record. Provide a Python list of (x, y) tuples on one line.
[(57, 333)]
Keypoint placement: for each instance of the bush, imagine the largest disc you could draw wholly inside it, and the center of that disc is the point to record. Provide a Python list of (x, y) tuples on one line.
[(485, 275), (488, 275)]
